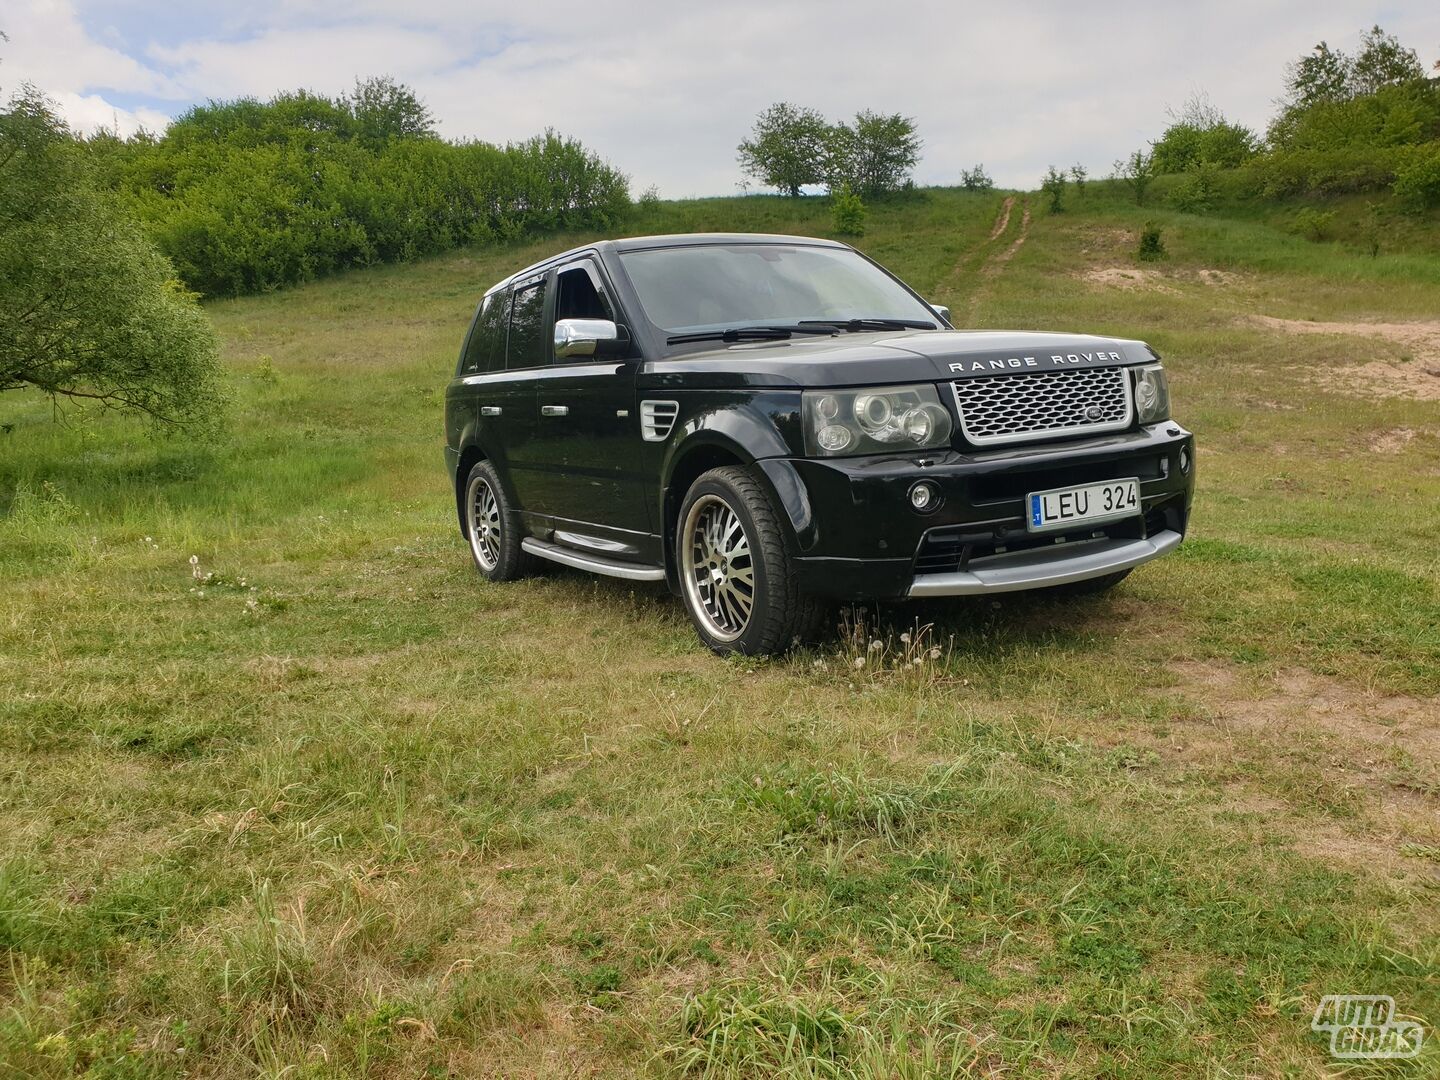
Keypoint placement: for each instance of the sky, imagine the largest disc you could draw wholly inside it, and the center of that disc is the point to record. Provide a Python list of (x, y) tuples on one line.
[(665, 90)]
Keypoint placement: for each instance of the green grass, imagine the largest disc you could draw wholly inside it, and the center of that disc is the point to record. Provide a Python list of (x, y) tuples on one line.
[(322, 803)]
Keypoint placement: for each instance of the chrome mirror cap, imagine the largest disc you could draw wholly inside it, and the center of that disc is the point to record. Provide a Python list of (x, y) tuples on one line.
[(583, 337), (942, 311)]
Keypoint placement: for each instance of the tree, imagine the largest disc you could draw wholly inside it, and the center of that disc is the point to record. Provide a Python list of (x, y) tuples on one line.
[(787, 148), (976, 179), (875, 155), (1054, 188), (385, 110), (89, 310), (1323, 74), (1078, 175), (1383, 61), (1137, 171)]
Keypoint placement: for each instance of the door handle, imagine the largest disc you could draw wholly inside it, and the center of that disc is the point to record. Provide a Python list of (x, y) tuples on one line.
[(489, 410), (554, 410)]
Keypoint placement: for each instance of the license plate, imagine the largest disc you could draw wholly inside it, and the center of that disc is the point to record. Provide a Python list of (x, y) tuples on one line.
[(1060, 508)]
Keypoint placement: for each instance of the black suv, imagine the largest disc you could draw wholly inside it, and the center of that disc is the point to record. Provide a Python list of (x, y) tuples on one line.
[(767, 423)]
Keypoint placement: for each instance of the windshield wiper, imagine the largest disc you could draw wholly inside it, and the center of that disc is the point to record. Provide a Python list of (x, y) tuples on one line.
[(754, 333), (855, 326)]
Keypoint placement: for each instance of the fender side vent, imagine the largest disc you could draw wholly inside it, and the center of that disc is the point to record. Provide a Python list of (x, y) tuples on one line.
[(657, 419)]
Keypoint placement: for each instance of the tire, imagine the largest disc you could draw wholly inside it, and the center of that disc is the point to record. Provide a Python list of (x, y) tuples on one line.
[(490, 526), (1090, 586), (735, 569)]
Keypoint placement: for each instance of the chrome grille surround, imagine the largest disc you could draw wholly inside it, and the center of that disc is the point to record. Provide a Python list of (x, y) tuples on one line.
[(999, 409)]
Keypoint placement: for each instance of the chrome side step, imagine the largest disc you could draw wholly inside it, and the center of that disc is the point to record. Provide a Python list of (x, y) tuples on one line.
[(593, 563)]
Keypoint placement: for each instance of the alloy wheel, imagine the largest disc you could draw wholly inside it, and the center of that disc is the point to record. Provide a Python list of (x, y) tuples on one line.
[(718, 567), (484, 523)]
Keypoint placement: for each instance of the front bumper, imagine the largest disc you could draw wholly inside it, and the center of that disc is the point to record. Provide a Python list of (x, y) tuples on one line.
[(858, 537)]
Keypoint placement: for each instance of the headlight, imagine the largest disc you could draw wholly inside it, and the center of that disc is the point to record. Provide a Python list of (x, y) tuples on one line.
[(1152, 394), (874, 420)]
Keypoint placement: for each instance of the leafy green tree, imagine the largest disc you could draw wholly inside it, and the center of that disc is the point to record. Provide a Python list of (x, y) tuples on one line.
[(1383, 61), (385, 110), (1136, 171), (976, 179), (1078, 175), (787, 148), (1322, 74), (847, 212), (875, 155), (1054, 188), (89, 310)]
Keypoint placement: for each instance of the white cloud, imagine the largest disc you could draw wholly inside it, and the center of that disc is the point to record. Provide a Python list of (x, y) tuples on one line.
[(666, 90)]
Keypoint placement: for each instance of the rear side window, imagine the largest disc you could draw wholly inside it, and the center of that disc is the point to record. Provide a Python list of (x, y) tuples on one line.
[(527, 318), (485, 350)]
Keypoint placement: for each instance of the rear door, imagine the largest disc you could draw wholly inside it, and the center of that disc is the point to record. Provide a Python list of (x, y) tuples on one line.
[(592, 483)]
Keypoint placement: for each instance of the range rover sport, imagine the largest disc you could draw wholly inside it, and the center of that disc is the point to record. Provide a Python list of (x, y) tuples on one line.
[(772, 423)]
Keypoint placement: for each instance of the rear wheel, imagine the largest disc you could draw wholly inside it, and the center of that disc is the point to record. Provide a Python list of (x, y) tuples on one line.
[(489, 526), (735, 570)]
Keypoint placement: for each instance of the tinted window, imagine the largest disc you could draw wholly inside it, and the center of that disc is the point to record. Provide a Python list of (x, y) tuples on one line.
[(527, 319), (485, 351), (576, 297), (707, 287)]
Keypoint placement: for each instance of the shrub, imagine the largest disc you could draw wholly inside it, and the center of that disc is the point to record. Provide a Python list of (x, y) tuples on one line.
[(1136, 171), (1054, 188), (1198, 189), (245, 196), (976, 179), (1152, 246), (1313, 224), (649, 198), (1417, 182), (847, 212)]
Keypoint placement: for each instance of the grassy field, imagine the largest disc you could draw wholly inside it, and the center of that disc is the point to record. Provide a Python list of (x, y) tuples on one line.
[(286, 790)]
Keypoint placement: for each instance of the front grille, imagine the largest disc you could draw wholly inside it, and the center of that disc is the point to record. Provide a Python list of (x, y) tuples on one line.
[(1001, 409)]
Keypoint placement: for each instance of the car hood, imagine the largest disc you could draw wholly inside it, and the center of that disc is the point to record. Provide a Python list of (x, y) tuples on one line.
[(879, 359)]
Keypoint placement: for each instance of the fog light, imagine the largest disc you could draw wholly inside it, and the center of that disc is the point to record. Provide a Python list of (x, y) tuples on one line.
[(1184, 460), (924, 497)]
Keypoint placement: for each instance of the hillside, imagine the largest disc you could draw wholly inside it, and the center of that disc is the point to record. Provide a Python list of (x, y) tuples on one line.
[(287, 787)]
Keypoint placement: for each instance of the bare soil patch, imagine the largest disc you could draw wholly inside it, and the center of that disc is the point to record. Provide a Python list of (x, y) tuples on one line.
[(1002, 222), (1383, 748), (1418, 377), (1393, 441), (1129, 278)]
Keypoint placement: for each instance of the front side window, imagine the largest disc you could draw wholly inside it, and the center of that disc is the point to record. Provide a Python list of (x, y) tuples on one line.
[(527, 318), (718, 286), (576, 296)]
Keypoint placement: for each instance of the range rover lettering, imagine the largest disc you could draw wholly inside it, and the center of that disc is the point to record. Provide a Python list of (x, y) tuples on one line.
[(770, 424)]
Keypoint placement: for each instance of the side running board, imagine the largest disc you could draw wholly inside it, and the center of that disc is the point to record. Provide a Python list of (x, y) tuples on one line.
[(593, 563)]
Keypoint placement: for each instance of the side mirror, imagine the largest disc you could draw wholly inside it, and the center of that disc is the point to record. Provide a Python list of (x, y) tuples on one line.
[(586, 337), (942, 311)]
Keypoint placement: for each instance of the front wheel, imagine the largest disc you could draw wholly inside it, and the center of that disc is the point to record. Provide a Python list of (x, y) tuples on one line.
[(735, 570)]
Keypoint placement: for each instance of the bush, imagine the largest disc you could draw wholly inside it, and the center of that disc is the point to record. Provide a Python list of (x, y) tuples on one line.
[(1417, 182), (1328, 172), (1054, 188), (1152, 247), (1137, 171), (1313, 224), (976, 179), (847, 212), (245, 196), (649, 198), (1197, 190)]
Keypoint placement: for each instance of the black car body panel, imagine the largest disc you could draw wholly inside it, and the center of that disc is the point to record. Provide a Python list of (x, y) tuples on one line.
[(596, 453)]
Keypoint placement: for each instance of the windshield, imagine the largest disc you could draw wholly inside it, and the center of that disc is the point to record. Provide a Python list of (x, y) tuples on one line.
[(715, 287)]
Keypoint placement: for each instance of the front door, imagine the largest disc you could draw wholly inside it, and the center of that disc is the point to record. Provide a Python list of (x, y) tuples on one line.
[(589, 478)]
